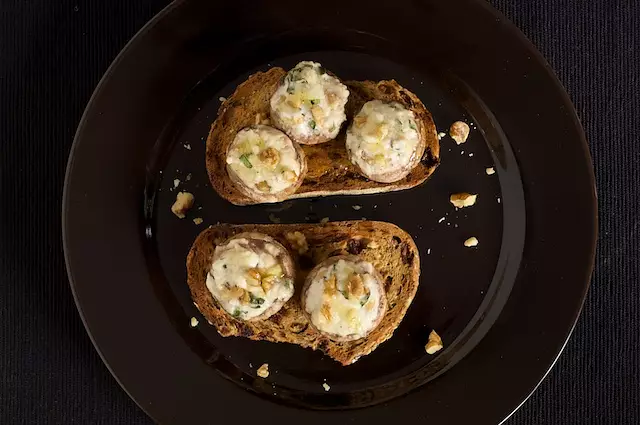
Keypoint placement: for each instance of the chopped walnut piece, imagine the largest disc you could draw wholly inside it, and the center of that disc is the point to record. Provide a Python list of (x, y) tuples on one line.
[(326, 311), (263, 186), (355, 286), (471, 242), (461, 200), (184, 201), (434, 344), (298, 241), (459, 131), (263, 371), (330, 286), (270, 156)]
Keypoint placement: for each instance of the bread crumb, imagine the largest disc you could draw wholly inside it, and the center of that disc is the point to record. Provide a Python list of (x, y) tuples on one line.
[(459, 131), (498, 200), (490, 171), (263, 371), (187, 146), (326, 386), (184, 202), (471, 242), (194, 322), (434, 344), (298, 241), (188, 176), (222, 99), (176, 182), (441, 135), (461, 200), (441, 220), (325, 220), (356, 207), (197, 221), (428, 251)]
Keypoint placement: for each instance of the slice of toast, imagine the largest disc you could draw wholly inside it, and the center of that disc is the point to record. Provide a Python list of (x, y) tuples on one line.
[(390, 249), (329, 170)]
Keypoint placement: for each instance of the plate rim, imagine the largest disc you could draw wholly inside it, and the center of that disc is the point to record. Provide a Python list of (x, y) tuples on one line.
[(522, 38)]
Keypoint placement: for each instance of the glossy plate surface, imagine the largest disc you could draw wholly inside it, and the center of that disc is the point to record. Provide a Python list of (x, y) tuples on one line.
[(503, 309)]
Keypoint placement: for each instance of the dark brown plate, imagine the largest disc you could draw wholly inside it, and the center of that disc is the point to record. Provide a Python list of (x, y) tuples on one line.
[(504, 309)]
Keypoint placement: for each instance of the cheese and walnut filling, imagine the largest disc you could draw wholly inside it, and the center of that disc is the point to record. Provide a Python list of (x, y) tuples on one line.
[(344, 298), (248, 277), (309, 103), (383, 138), (264, 159)]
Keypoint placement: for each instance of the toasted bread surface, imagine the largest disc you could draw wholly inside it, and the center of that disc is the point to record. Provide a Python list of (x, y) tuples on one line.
[(390, 249), (329, 171)]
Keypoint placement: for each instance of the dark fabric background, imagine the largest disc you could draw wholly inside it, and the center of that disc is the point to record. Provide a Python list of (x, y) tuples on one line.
[(52, 55)]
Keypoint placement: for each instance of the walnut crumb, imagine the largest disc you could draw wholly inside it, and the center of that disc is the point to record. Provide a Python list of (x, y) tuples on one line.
[(461, 200), (490, 171), (194, 322), (471, 242), (197, 221), (434, 344), (298, 241), (459, 131), (184, 202), (263, 371)]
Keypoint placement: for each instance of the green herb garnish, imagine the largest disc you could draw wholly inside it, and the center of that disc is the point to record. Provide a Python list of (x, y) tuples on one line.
[(287, 283), (399, 122), (312, 124), (256, 301), (244, 158), (321, 70), (237, 313), (345, 294), (412, 125), (365, 300)]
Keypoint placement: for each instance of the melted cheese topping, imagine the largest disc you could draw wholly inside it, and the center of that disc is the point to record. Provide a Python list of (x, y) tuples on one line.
[(344, 299), (245, 280), (383, 138), (310, 102), (264, 159)]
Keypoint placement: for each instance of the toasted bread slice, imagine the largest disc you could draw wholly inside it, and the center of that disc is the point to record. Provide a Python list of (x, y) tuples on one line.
[(390, 249), (329, 171)]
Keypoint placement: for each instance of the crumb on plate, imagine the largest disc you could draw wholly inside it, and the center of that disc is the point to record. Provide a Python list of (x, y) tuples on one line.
[(197, 221), (490, 171), (459, 131), (461, 200), (263, 371), (434, 344), (194, 322), (184, 202), (471, 242)]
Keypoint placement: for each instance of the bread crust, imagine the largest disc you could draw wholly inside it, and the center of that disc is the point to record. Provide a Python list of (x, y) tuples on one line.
[(329, 170), (391, 250)]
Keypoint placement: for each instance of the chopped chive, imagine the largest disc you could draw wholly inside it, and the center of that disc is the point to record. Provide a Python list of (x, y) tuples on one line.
[(364, 301), (237, 312), (412, 125), (244, 158), (256, 301), (312, 124)]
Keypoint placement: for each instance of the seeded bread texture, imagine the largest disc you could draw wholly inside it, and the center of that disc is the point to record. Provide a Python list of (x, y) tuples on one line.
[(329, 171), (390, 249)]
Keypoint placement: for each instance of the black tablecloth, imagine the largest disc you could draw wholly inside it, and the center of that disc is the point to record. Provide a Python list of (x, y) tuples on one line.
[(52, 55)]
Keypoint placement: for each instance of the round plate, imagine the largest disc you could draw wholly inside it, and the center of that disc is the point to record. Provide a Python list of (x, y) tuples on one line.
[(504, 309)]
